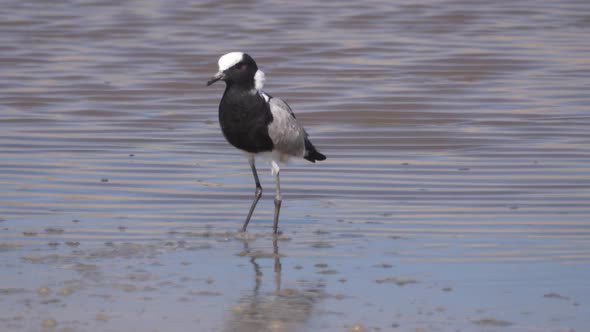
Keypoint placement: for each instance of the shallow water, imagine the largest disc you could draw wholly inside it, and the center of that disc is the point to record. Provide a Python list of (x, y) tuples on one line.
[(455, 194)]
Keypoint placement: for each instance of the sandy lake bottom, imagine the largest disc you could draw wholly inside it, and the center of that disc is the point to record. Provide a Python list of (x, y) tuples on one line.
[(455, 196)]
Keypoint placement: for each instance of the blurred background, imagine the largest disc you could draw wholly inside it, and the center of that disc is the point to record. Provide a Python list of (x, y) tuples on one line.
[(455, 195)]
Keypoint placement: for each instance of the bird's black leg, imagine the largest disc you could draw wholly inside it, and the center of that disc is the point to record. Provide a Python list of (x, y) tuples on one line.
[(257, 193), (278, 199)]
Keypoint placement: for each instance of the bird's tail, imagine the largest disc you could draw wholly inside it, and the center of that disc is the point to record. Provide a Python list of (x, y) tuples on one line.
[(311, 153)]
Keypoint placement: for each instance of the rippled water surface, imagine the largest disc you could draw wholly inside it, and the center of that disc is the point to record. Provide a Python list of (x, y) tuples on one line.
[(455, 196)]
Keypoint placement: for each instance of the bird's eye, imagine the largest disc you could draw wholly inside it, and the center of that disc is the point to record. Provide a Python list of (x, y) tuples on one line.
[(239, 65)]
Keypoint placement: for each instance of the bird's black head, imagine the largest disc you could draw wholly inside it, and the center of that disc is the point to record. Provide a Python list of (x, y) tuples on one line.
[(236, 68)]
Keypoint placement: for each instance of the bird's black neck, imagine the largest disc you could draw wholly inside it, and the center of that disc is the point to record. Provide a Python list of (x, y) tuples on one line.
[(240, 87), (239, 91)]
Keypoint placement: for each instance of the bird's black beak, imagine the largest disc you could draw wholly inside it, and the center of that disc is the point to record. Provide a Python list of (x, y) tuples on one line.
[(219, 76)]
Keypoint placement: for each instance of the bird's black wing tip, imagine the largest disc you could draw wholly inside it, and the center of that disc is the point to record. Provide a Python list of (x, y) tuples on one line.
[(311, 153), (314, 156)]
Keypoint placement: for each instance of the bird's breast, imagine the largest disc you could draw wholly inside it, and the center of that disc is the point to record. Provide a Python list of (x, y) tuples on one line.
[(245, 124)]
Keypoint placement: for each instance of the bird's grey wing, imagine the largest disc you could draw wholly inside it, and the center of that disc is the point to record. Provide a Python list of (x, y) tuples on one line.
[(285, 132)]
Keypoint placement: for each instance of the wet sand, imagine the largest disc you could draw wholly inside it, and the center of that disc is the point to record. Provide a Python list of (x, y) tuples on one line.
[(455, 196)]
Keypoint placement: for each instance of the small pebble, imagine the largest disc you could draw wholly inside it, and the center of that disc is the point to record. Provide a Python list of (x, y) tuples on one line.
[(43, 291), (101, 316), (357, 328), (276, 325), (54, 230), (321, 245), (65, 291), (492, 322), (555, 296), (400, 281), (237, 309), (85, 267), (49, 323)]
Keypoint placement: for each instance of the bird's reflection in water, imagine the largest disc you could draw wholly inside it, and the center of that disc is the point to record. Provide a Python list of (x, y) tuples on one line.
[(279, 309)]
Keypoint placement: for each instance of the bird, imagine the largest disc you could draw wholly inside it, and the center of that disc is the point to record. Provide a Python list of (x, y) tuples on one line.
[(259, 124)]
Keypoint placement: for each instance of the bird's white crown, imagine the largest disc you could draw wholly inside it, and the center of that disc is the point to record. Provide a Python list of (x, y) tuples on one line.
[(229, 60)]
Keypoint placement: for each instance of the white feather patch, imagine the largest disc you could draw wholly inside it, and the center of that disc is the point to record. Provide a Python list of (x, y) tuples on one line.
[(274, 168), (259, 79), (229, 60)]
